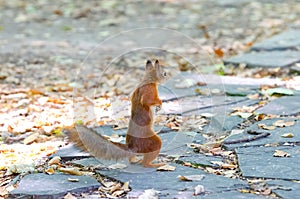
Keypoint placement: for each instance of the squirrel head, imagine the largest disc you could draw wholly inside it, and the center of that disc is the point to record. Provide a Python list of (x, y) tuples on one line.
[(154, 73)]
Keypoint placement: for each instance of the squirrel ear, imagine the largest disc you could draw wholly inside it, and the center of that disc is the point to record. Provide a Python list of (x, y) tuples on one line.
[(157, 64), (149, 65)]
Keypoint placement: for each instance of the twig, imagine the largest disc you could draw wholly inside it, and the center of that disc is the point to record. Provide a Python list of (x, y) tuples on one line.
[(257, 137)]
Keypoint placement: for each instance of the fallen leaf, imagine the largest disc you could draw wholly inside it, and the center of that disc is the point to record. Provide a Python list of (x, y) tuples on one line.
[(287, 135), (199, 189), (126, 186), (30, 139), (54, 160), (216, 151), (69, 196), (279, 153), (3, 192), (264, 126), (118, 193), (219, 52), (50, 171), (71, 170), (282, 123), (166, 168), (191, 177)]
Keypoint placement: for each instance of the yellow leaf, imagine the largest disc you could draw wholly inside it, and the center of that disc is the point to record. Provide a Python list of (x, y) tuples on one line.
[(50, 171), (71, 170), (287, 135)]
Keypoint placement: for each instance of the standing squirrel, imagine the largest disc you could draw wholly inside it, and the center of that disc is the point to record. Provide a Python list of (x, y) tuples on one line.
[(140, 137)]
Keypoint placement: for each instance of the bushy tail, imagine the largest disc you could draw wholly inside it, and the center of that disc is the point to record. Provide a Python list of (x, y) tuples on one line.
[(94, 143)]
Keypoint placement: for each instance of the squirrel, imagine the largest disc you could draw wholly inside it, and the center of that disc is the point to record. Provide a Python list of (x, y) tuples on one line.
[(140, 138)]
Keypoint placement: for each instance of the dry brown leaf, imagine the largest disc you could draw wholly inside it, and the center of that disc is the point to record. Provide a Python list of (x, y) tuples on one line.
[(260, 117), (54, 160), (264, 126), (228, 166), (50, 171), (71, 170), (287, 135), (282, 123), (126, 186), (69, 196), (30, 139), (166, 168), (216, 151), (219, 52), (191, 177), (118, 193), (279, 153), (3, 192), (213, 171)]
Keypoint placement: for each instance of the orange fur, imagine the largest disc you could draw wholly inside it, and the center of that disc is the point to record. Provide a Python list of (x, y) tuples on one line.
[(140, 138)]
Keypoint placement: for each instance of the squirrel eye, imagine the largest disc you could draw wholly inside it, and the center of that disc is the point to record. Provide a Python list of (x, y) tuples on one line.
[(164, 74)]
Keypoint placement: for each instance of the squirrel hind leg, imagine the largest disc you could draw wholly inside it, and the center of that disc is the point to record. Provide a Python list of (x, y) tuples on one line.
[(149, 157)]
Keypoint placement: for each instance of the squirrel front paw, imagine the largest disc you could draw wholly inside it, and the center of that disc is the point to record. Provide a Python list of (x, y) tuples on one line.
[(157, 108)]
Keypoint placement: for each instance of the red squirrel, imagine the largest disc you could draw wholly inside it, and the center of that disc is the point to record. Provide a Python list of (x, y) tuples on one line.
[(140, 138)]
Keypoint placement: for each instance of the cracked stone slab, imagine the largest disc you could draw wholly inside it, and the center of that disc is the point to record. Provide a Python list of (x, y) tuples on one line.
[(284, 188), (258, 162), (206, 104), (286, 105), (170, 186), (267, 59), (174, 144), (274, 137), (286, 40), (186, 84), (41, 185)]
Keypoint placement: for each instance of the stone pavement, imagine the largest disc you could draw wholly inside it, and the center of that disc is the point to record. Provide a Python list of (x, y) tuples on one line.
[(256, 157)]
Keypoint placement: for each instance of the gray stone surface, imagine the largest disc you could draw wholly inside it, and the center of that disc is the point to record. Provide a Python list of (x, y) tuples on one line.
[(70, 152), (203, 104), (41, 185), (284, 188), (169, 185), (274, 137), (85, 162), (233, 194), (258, 162), (286, 40), (286, 105), (269, 59)]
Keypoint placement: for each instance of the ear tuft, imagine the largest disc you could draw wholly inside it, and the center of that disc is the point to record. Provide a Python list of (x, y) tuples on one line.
[(149, 65), (157, 64)]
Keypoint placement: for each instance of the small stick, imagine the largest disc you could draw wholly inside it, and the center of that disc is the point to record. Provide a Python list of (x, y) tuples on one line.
[(257, 137)]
